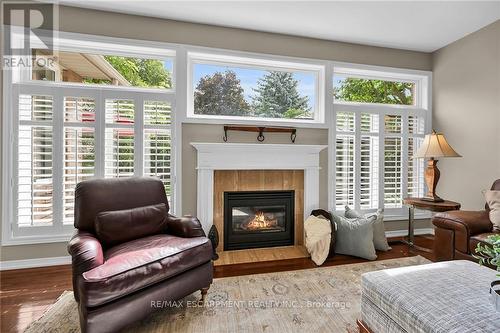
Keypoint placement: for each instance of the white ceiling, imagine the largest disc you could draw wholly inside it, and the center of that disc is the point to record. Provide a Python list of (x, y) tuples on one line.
[(413, 25)]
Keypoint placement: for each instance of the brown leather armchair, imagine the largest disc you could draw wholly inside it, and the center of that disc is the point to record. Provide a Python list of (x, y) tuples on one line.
[(458, 232), (125, 269)]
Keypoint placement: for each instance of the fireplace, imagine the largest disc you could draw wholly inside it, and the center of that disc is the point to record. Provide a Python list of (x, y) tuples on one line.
[(258, 219)]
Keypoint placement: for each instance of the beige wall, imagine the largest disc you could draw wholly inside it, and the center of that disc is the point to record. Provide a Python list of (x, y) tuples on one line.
[(467, 110), (137, 27)]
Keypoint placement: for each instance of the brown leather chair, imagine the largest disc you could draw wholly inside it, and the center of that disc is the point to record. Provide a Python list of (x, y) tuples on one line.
[(138, 256), (458, 232)]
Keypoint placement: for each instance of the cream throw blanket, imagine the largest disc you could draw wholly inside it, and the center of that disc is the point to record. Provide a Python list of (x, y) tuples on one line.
[(318, 236)]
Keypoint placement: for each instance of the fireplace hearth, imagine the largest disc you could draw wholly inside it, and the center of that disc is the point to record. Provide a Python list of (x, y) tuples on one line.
[(255, 219)]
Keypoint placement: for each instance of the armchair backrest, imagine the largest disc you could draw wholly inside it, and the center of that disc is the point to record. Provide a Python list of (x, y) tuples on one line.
[(494, 187), (100, 195)]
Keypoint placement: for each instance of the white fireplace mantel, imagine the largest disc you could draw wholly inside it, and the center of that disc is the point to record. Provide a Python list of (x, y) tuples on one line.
[(251, 156)]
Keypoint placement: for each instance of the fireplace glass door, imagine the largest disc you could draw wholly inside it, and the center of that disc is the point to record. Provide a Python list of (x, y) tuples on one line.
[(258, 219)]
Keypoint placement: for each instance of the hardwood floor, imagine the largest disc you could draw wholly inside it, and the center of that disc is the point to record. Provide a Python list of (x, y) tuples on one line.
[(27, 293), (398, 251)]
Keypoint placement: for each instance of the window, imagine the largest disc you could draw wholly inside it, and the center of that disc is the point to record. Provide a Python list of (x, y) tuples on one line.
[(90, 68), (380, 121), (227, 87), (382, 91), (102, 109), (79, 123)]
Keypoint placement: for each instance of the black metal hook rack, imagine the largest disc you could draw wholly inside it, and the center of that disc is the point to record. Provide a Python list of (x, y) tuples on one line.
[(261, 130)]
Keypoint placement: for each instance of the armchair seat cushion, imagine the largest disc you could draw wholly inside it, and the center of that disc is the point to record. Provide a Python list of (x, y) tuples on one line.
[(481, 238), (140, 263)]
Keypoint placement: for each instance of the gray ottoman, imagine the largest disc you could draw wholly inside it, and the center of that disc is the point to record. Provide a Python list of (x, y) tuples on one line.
[(450, 296)]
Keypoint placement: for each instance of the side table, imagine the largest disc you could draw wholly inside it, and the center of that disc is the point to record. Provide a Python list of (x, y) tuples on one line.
[(432, 206)]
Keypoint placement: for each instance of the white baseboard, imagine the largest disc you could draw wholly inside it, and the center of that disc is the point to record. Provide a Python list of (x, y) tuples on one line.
[(400, 233), (35, 262), (54, 261)]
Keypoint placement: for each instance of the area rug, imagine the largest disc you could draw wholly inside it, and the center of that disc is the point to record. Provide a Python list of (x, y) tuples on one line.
[(311, 300)]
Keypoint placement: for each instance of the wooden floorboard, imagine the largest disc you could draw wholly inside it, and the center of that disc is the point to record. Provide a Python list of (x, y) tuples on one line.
[(25, 294)]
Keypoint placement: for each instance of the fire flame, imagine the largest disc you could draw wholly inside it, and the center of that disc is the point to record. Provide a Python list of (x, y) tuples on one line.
[(261, 221)]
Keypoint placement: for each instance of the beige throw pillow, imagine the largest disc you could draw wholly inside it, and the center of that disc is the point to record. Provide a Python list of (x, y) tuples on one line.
[(493, 201)]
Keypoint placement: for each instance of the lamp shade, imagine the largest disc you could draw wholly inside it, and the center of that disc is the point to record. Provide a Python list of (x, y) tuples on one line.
[(435, 146)]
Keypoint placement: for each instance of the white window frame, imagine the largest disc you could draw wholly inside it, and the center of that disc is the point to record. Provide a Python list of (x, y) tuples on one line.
[(422, 108), (182, 95), (262, 62), (72, 42)]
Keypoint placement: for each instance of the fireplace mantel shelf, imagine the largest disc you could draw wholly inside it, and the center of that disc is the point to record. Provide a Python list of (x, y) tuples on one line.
[(208, 146), (255, 156), (252, 156)]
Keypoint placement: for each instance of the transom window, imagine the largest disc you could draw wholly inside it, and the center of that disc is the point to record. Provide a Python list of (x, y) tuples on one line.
[(230, 87), (380, 91), (102, 69)]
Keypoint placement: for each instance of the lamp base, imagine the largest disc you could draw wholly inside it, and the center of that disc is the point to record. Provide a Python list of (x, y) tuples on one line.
[(431, 179), (432, 199)]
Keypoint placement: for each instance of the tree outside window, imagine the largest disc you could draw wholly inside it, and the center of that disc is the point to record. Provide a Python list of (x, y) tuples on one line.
[(232, 91)]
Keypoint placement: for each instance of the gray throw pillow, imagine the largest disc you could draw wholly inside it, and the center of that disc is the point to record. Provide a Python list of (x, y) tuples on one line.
[(355, 237), (379, 238)]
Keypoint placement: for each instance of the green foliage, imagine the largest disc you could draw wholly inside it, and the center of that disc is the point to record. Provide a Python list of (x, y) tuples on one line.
[(296, 113), (125, 151), (374, 91), (142, 72), (489, 254), (277, 97), (220, 94)]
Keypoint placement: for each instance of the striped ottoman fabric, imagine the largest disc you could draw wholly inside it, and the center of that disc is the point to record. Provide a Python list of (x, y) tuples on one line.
[(443, 297)]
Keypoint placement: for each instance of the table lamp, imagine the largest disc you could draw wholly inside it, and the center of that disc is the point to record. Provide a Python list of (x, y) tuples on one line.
[(433, 147)]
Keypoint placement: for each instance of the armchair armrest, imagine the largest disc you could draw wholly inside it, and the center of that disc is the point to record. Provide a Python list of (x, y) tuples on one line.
[(185, 226), (463, 224), (86, 252), (472, 223)]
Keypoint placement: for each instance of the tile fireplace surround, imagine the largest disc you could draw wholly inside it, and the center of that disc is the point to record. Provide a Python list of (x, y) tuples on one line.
[(249, 156)]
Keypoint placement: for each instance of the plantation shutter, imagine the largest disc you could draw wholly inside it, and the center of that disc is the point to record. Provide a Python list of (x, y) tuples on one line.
[(369, 172), (35, 161), (157, 142), (65, 135), (416, 131), (119, 138), (374, 165), (344, 171), (393, 172), (79, 148)]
